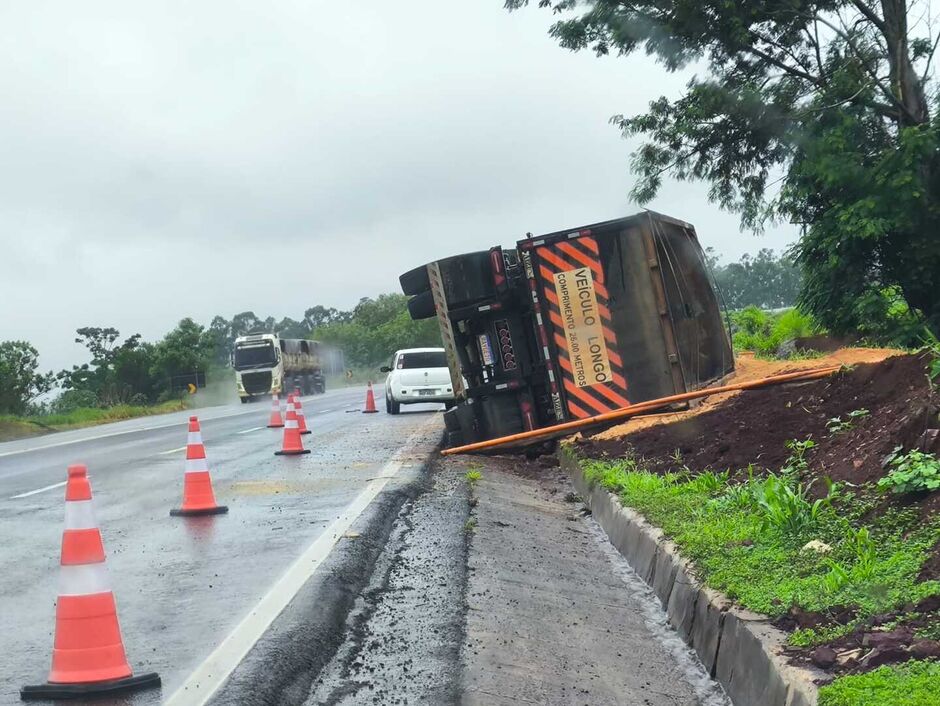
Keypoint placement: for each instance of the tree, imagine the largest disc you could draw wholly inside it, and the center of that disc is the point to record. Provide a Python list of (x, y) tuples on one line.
[(835, 99), (765, 280), (98, 376), (20, 383), (186, 349)]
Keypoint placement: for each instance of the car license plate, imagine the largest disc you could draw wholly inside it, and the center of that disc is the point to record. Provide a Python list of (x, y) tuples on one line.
[(425, 393)]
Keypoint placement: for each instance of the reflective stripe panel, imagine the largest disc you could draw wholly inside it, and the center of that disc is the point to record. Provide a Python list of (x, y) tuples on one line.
[(291, 424), (195, 451), (194, 437), (82, 546), (80, 514), (194, 465), (83, 579)]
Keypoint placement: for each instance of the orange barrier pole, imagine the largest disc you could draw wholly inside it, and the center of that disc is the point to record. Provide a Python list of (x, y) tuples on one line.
[(648, 406)]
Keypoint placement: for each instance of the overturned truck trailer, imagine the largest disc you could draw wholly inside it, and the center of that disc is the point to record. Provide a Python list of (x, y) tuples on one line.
[(572, 324)]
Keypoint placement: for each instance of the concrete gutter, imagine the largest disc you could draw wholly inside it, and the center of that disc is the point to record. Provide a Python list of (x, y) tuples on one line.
[(740, 649)]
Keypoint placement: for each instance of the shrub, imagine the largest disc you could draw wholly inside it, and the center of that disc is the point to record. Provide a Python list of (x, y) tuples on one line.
[(912, 472)]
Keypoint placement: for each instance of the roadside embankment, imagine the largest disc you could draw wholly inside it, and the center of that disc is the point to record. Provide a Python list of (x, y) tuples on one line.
[(806, 519), (12, 427)]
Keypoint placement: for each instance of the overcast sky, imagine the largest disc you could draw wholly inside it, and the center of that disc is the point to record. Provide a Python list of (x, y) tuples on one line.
[(171, 159)]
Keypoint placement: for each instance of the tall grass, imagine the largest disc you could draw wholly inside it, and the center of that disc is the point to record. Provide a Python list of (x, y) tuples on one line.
[(88, 416), (762, 331)]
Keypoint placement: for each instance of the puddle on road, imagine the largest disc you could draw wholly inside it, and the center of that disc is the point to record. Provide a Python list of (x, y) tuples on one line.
[(707, 690)]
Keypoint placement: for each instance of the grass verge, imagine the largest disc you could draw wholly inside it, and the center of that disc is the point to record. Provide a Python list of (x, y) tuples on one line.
[(12, 427), (747, 540), (775, 548), (911, 684)]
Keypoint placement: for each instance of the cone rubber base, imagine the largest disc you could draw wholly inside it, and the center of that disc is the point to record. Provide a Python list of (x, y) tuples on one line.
[(306, 432), (291, 453), (370, 411), (275, 426), (217, 510), (44, 692)]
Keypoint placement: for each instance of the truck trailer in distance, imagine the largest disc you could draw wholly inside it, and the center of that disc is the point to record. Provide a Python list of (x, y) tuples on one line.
[(266, 364), (572, 324)]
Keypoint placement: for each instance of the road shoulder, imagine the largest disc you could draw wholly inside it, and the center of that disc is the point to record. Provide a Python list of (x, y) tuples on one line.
[(549, 619)]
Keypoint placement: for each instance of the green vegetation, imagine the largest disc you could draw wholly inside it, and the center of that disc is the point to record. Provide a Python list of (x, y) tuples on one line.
[(473, 476), (131, 377), (821, 114), (910, 684), (88, 416), (763, 332), (375, 329), (747, 539), (764, 281), (837, 425), (911, 472)]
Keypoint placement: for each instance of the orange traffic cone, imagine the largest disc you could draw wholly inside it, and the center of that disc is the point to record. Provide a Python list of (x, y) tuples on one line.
[(88, 656), (275, 422), (292, 445), (301, 419), (198, 498), (370, 401)]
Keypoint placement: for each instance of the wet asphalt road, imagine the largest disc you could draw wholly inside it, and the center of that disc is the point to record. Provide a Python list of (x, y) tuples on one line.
[(182, 585)]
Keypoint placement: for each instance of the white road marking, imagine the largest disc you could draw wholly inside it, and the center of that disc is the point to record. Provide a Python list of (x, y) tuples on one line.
[(324, 411), (172, 451), (202, 684), (43, 447), (40, 490), (246, 431)]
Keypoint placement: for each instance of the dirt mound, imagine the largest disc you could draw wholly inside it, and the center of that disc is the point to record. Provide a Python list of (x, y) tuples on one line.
[(753, 427), (747, 368)]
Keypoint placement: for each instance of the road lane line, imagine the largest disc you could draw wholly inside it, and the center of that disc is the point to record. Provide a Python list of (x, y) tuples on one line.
[(246, 431), (324, 411), (172, 451), (203, 683), (40, 490), (43, 447)]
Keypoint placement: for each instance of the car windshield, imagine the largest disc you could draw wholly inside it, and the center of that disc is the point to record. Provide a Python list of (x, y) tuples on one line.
[(422, 359), (254, 356)]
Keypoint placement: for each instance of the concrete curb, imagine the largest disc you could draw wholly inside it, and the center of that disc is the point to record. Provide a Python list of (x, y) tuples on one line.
[(740, 649)]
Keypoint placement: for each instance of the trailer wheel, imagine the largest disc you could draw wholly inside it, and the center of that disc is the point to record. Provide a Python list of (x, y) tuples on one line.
[(467, 278), (415, 281), (452, 439), (421, 306)]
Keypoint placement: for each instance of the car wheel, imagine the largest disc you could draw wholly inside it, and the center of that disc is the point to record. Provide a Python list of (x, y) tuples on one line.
[(393, 406), (243, 399)]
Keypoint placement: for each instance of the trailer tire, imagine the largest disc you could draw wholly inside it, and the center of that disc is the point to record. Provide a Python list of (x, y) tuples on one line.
[(421, 306), (467, 278), (415, 281), (452, 439)]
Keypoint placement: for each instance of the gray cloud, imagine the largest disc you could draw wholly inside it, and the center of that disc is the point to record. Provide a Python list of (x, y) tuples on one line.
[(171, 159)]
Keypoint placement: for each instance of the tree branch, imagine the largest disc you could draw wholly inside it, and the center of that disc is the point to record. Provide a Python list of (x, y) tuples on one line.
[(870, 15), (792, 70)]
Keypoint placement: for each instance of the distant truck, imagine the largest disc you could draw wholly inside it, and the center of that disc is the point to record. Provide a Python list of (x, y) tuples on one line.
[(266, 364), (572, 324)]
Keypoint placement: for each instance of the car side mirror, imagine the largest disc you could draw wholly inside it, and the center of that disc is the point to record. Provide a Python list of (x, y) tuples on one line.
[(385, 369)]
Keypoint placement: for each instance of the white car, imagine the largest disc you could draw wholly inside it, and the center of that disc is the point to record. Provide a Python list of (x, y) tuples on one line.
[(417, 376)]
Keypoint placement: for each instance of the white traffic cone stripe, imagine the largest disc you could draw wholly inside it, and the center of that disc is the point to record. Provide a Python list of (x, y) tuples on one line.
[(193, 437), (291, 424), (80, 514), (82, 579), (196, 465)]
